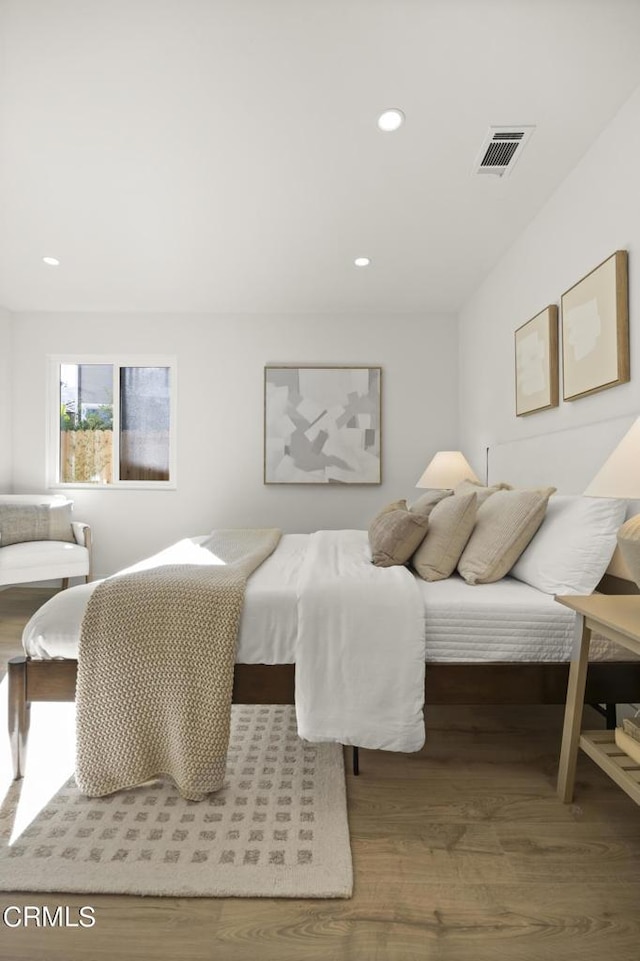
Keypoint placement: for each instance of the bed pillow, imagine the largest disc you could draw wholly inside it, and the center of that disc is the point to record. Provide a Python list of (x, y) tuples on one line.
[(20, 522), (505, 524), (427, 501), (482, 492), (574, 545), (450, 526), (395, 534)]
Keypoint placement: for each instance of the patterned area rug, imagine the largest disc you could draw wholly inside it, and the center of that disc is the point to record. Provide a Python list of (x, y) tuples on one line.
[(278, 828)]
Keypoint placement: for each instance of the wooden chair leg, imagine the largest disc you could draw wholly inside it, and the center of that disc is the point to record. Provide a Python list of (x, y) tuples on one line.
[(19, 714), (65, 583)]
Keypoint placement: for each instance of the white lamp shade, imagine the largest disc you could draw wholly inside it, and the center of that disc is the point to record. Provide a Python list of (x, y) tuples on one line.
[(448, 468), (619, 476)]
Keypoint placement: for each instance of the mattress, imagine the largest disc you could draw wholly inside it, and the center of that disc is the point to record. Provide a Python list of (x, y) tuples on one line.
[(505, 621)]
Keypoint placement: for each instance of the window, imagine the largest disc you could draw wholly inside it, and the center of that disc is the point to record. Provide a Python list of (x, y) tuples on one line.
[(113, 423)]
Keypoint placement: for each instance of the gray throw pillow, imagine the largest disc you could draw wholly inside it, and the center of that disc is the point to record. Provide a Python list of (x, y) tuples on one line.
[(394, 536), (35, 522)]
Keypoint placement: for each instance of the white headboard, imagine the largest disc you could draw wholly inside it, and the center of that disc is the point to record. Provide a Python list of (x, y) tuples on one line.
[(567, 459)]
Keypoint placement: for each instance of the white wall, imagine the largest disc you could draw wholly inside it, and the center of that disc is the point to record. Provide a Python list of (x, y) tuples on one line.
[(6, 330), (220, 411), (594, 212)]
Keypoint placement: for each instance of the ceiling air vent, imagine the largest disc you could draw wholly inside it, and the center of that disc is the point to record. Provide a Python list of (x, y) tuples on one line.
[(501, 148)]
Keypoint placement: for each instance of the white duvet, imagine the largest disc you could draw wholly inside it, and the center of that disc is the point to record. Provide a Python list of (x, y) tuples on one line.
[(269, 623), (360, 647)]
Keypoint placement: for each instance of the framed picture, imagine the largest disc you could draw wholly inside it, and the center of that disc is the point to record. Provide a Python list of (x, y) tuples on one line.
[(595, 330), (322, 425), (537, 363)]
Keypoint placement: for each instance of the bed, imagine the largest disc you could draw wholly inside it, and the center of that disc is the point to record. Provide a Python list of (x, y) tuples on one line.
[(501, 643)]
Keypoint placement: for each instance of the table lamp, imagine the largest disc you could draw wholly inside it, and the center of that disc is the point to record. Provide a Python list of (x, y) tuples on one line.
[(446, 470), (619, 476)]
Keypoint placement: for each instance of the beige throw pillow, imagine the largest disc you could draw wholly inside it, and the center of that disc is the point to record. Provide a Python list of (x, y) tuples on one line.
[(450, 526), (427, 501), (482, 492), (505, 524), (394, 535)]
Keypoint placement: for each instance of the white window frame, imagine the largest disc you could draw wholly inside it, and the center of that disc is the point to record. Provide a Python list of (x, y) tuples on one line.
[(53, 417)]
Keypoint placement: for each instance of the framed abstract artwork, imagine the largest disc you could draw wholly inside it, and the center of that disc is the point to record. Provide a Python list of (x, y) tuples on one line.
[(322, 425), (536, 344), (595, 330)]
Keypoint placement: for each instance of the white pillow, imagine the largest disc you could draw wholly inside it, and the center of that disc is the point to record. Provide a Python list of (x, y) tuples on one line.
[(574, 545)]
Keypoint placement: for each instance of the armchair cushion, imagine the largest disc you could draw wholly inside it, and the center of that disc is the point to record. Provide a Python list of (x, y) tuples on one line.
[(42, 561)]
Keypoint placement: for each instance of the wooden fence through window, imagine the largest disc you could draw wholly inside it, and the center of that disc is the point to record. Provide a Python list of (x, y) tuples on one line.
[(86, 456)]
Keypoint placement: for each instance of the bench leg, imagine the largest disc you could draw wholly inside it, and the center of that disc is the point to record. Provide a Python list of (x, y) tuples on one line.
[(19, 714), (65, 583)]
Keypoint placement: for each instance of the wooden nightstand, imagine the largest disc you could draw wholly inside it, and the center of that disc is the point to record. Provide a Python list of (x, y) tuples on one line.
[(616, 617)]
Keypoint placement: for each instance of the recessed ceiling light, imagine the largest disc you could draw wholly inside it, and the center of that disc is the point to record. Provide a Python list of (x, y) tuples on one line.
[(51, 261), (391, 120), (362, 261)]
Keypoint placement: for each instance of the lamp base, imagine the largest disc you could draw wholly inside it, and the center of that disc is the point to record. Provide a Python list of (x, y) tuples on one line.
[(629, 544)]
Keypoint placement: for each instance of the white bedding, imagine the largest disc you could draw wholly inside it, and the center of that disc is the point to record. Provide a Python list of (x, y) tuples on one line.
[(269, 624), (506, 621), (360, 648)]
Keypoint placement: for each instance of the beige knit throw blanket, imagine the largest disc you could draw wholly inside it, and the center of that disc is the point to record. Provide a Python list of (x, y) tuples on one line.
[(155, 670)]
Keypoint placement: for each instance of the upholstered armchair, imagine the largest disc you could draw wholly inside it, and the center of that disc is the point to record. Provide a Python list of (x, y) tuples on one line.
[(39, 541)]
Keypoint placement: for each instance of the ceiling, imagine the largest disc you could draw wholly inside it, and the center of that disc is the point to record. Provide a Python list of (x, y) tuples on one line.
[(223, 155)]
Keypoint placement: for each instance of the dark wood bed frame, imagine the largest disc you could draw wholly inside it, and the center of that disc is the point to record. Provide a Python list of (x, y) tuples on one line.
[(495, 683)]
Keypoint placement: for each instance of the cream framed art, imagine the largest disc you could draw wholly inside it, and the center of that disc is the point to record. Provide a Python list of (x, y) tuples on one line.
[(536, 347), (595, 330), (322, 425)]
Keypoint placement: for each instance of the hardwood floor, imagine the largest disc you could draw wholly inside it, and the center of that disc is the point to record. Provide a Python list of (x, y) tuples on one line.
[(462, 852)]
